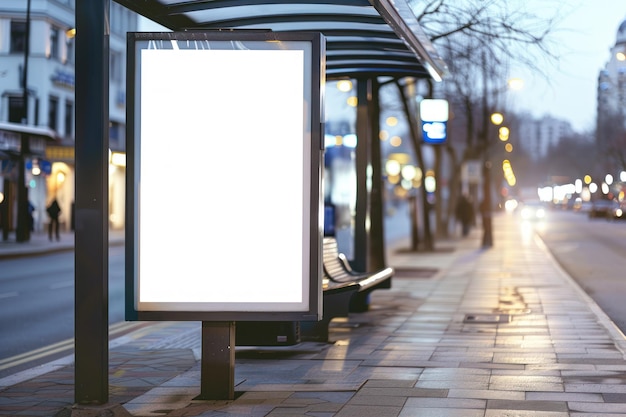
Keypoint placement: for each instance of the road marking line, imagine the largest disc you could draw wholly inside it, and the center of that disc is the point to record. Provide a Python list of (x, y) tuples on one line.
[(9, 294), (60, 285), (59, 347)]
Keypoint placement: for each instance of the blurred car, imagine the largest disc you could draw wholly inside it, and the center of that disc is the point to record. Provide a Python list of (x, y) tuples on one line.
[(533, 210), (575, 204), (602, 209), (619, 211)]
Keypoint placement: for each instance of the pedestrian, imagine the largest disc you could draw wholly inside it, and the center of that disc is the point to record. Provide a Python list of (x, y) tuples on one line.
[(465, 213), (53, 211), (31, 218)]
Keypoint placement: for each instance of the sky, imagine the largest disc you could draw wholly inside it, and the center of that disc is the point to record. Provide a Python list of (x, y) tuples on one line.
[(582, 38)]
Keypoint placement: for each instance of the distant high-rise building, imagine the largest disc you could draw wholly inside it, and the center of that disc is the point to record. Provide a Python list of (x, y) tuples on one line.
[(612, 82), (537, 136)]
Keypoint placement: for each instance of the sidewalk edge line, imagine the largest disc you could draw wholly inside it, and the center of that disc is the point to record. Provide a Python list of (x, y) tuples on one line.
[(616, 334)]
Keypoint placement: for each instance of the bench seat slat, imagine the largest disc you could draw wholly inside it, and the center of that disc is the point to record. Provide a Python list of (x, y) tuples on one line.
[(337, 269)]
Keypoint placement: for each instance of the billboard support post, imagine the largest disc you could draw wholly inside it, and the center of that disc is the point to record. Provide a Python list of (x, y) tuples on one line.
[(217, 369)]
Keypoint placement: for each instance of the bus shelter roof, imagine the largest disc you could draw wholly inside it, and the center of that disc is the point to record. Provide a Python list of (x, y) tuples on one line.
[(363, 38)]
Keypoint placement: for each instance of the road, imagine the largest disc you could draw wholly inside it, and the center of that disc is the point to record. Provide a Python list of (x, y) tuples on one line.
[(37, 293), (37, 306)]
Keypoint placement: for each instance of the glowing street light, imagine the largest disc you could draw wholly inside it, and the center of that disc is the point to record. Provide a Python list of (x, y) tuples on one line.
[(344, 85), (515, 84), (497, 118), (503, 133)]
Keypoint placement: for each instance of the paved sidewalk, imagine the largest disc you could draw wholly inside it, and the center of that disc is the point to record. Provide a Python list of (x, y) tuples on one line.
[(496, 332), (40, 244)]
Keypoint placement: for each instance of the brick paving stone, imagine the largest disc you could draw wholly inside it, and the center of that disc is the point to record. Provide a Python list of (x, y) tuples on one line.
[(550, 353)]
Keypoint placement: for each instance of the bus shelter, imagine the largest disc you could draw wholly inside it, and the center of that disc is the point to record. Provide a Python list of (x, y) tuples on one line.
[(365, 41)]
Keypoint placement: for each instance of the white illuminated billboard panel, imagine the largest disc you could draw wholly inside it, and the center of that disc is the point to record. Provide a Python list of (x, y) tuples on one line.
[(225, 184)]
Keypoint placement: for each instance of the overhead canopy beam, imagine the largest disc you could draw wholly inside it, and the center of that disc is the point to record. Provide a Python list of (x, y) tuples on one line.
[(376, 37)]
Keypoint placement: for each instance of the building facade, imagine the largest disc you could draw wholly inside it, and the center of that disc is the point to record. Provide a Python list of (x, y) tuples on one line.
[(612, 79), (611, 106), (49, 92), (537, 136)]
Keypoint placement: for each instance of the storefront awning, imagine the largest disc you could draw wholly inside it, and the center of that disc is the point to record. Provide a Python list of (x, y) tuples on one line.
[(10, 139)]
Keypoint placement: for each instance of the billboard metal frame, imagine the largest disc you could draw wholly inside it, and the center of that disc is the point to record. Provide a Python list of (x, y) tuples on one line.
[(309, 200)]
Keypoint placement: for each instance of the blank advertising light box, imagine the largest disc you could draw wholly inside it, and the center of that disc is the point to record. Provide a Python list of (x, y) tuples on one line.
[(224, 151)]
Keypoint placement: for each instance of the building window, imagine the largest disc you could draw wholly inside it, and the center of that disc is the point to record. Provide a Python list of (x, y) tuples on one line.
[(54, 42), (53, 112), (16, 109), (70, 49), (69, 118), (116, 136), (116, 67), (18, 37)]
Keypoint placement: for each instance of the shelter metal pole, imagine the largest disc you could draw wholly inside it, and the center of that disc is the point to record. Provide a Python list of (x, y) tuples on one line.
[(362, 218), (22, 233), (377, 201), (91, 214), (369, 247)]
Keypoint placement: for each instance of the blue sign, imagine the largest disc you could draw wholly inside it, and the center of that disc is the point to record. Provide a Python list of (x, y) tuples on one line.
[(434, 132), (44, 165), (434, 115)]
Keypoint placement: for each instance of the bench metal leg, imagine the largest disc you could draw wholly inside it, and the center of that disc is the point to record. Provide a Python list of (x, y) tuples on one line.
[(360, 302), (217, 375)]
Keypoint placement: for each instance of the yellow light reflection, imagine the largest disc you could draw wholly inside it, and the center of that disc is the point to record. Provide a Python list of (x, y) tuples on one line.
[(508, 147), (118, 159), (344, 85), (392, 121), (393, 179), (409, 172), (352, 101), (503, 133), (497, 118), (392, 167), (395, 141), (516, 84)]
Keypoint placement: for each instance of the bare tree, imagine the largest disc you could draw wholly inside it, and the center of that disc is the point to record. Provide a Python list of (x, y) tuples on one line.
[(480, 39)]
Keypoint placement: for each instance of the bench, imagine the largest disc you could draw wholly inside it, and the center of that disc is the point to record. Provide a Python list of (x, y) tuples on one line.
[(338, 270), (344, 291), (335, 303)]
